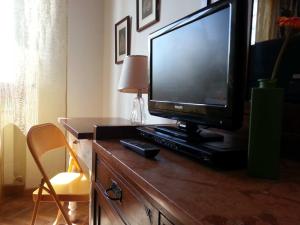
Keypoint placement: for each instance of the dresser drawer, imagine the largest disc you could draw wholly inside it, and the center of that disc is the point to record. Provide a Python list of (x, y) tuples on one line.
[(129, 204), (164, 221), (103, 213)]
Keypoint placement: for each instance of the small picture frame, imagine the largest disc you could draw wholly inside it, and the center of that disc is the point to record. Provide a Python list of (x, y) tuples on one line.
[(122, 39), (147, 13)]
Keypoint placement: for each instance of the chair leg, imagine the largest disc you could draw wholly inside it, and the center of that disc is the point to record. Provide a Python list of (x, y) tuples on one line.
[(64, 214), (56, 199), (58, 215), (60, 207), (34, 215), (37, 203)]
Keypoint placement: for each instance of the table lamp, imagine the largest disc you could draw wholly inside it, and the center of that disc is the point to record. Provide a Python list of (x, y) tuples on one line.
[(134, 79)]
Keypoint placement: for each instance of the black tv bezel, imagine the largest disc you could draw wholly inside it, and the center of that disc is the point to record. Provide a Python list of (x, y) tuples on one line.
[(231, 116)]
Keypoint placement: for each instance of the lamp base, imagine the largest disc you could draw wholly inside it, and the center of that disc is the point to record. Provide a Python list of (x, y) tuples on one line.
[(138, 115)]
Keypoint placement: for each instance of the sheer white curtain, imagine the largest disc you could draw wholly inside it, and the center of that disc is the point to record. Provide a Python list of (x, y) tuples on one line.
[(32, 79)]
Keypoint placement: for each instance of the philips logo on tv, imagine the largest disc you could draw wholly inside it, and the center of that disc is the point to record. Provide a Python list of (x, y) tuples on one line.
[(179, 107)]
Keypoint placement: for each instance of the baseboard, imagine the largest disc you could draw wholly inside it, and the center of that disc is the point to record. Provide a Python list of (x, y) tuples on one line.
[(9, 190)]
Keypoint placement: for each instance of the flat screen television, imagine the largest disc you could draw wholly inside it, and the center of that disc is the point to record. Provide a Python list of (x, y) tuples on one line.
[(197, 67)]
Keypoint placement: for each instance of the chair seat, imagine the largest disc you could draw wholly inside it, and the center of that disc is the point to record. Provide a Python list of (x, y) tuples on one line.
[(69, 186)]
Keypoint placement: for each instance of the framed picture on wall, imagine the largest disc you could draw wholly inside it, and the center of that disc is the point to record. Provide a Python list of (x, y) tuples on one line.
[(122, 39), (147, 13)]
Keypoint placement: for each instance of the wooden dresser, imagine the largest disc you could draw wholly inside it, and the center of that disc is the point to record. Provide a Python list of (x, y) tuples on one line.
[(172, 189)]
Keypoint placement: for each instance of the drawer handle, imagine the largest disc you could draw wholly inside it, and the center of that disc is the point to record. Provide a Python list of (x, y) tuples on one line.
[(149, 214), (114, 192)]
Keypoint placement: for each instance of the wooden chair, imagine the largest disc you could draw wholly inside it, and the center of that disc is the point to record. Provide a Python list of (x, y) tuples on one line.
[(64, 187)]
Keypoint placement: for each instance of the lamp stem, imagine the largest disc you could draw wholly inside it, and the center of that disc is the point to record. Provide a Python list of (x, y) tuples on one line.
[(138, 109), (139, 96)]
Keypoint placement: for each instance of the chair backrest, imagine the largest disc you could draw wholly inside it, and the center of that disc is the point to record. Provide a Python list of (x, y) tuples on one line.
[(46, 137)]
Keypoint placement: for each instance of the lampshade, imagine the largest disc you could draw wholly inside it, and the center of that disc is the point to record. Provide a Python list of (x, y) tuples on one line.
[(134, 76)]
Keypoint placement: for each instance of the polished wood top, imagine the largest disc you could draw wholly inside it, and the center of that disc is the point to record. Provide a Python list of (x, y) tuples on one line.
[(190, 193), (83, 128)]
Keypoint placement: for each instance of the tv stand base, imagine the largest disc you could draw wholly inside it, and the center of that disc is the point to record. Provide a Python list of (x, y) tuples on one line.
[(198, 136), (219, 154)]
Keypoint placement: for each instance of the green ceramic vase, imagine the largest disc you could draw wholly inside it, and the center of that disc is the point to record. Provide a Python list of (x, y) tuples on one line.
[(265, 130)]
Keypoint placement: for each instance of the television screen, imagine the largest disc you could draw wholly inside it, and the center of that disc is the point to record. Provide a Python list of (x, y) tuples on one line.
[(197, 66), (190, 64)]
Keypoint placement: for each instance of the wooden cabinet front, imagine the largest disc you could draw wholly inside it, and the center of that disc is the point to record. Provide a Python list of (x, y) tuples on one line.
[(129, 204), (164, 221), (126, 201), (104, 213)]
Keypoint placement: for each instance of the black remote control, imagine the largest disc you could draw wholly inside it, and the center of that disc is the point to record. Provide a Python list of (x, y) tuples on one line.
[(143, 148)]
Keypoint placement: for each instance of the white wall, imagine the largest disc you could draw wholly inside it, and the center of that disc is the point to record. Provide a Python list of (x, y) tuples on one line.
[(85, 39), (113, 102)]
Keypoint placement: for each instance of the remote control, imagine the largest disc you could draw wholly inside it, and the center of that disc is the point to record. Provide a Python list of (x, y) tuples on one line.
[(143, 148)]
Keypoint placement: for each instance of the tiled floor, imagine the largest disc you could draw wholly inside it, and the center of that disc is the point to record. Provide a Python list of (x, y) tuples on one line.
[(18, 211)]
